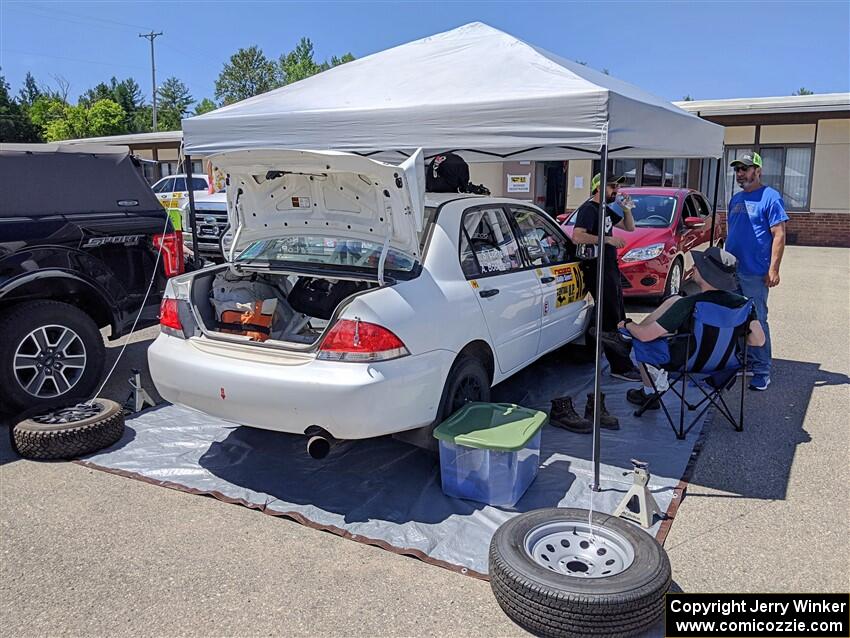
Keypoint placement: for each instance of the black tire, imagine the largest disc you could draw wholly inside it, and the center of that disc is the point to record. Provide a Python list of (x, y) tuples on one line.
[(672, 278), (549, 603), (20, 321), (36, 440), (467, 373)]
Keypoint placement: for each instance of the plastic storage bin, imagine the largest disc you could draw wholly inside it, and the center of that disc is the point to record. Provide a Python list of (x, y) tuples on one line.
[(490, 452)]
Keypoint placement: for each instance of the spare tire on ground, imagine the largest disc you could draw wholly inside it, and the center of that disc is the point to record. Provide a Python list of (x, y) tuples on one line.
[(69, 432), (553, 577)]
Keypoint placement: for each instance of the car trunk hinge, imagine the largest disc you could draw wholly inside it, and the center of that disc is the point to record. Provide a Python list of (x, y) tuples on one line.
[(384, 250)]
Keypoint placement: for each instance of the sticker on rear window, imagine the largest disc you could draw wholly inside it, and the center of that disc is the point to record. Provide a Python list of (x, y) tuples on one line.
[(301, 202)]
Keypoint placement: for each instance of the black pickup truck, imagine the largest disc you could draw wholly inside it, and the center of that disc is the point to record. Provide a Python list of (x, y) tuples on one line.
[(84, 244)]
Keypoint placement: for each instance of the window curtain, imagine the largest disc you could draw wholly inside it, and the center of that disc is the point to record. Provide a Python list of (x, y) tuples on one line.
[(795, 189)]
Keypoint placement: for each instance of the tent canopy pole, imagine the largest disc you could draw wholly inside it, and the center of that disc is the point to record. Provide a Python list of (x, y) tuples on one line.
[(600, 286), (714, 205)]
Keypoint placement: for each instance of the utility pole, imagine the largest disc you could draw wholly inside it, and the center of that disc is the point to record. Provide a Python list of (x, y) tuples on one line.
[(152, 36)]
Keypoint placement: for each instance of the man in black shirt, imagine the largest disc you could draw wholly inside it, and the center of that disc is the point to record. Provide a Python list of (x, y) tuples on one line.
[(714, 273), (587, 232)]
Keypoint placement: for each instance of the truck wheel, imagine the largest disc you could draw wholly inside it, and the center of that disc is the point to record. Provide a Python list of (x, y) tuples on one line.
[(554, 576), (69, 432), (50, 352)]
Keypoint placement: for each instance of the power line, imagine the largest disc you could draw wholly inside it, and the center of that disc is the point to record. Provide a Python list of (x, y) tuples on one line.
[(62, 57), (152, 36)]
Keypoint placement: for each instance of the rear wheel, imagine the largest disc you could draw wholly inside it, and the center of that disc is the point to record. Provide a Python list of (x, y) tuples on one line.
[(467, 382), (50, 352)]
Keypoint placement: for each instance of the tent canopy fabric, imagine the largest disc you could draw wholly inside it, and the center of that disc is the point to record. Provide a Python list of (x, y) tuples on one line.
[(474, 89)]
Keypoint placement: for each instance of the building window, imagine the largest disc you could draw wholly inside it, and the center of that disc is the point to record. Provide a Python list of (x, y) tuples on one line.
[(707, 175), (649, 172), (665, 172), (788, 169)]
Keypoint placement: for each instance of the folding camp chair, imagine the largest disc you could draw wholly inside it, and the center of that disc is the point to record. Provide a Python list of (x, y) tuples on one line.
[(709, 356)]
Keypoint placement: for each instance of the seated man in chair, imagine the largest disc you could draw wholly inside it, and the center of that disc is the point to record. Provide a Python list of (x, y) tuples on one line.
[(715, 276)]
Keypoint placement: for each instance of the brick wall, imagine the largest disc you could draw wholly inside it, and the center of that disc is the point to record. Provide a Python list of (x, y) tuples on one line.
[(812, 229)]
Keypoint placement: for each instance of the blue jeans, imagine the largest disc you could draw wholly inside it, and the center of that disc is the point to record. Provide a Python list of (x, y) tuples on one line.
[(753, 287)]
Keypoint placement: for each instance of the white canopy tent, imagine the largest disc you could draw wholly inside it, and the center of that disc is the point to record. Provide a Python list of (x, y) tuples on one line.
[(474, 89)]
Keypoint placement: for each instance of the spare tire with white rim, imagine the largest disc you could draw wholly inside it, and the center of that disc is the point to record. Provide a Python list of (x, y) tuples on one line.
[(554, 576), (69, 432)]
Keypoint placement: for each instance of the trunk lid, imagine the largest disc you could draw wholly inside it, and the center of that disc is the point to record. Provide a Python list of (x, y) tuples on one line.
[(280, 193)]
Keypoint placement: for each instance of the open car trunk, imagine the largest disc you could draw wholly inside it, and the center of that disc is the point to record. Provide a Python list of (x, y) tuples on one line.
[(264, 307)]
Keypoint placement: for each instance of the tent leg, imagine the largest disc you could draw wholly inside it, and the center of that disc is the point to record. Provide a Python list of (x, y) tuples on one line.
[(187, 162), (600, 284), (714, 206)]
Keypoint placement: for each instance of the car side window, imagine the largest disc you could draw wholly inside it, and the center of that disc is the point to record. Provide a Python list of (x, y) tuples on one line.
[(164, 186), (487, 245), (199, 184), (543, 243), (702, 208), (179, 184)]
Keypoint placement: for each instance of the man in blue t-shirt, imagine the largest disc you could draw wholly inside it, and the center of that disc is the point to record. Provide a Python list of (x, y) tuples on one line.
[(756, 236)]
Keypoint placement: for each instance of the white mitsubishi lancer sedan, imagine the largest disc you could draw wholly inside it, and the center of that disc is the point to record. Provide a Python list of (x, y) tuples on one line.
[(363, 306)]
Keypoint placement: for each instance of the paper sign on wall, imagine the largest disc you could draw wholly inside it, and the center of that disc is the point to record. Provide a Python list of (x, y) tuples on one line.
[(519, 183), (579, 181)]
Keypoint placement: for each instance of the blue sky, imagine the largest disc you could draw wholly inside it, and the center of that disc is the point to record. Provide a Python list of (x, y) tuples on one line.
[(704, 49)]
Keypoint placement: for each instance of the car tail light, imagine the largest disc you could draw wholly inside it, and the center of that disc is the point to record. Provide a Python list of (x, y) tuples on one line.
[(171, 247), (169, 316), (359, 341)]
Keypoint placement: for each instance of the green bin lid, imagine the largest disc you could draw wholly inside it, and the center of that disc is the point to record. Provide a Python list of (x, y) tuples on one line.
[(491, 426)]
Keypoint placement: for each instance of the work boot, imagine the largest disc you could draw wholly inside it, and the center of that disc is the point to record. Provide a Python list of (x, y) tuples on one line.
[(607, 421), (564, 415)]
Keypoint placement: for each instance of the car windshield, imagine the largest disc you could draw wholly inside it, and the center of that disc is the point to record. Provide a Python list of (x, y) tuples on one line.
[(653, 211), (650, 211), (323, 250)]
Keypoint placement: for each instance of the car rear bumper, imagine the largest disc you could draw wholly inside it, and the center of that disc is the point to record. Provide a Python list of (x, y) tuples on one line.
[(276, 391)]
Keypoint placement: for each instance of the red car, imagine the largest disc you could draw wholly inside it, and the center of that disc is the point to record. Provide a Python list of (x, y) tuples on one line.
[(669, 223)]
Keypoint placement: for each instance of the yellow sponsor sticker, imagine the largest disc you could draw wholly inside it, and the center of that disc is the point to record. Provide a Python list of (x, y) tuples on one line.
[(570, 286), (474, 284)]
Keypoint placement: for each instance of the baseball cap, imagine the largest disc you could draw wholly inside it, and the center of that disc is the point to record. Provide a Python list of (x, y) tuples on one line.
[(717, 267), (750, 159), (612, 179)]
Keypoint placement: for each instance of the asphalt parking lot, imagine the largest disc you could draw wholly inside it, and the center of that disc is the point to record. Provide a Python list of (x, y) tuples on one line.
[(94, 554)]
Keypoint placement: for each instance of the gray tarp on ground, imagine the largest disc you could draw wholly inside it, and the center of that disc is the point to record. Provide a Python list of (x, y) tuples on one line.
[(387, 493)]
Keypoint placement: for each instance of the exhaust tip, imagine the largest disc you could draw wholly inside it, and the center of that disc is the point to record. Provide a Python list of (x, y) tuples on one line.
[(318, 447)]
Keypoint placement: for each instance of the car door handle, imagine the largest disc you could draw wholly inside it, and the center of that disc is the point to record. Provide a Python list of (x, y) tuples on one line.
[(547, 280), (489, 292)]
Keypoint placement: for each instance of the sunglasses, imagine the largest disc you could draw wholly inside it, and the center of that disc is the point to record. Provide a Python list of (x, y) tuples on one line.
[(741, 167)]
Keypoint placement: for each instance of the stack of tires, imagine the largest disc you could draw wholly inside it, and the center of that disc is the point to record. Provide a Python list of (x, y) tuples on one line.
[(555, 575)]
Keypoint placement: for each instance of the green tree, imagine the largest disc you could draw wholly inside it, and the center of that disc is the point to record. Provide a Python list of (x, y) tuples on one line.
[(30, 92), (126, 94), (104, 117), (15, 123), (205, 106), (803, 91), (299, 63), (248, 73), (347, 57), (174, 101), (687, 98)]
